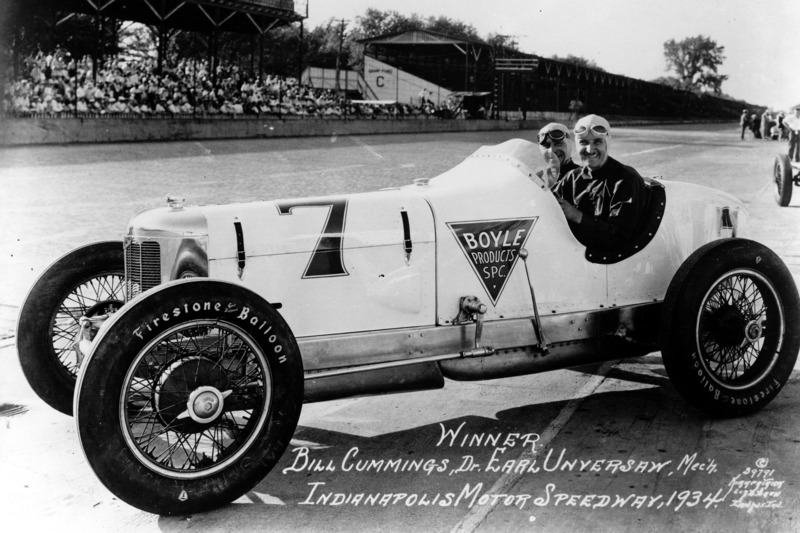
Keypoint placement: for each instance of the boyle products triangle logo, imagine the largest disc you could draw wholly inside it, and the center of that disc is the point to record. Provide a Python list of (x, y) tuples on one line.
[(492, 248)]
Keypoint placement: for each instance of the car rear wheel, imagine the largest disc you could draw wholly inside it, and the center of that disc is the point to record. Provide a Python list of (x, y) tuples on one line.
[(730, 329), (87, 281), (782, 174), (190, 396)]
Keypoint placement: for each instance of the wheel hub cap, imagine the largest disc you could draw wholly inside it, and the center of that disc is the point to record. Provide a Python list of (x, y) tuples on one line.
[(205, 404), (187, 396), (753, 331)]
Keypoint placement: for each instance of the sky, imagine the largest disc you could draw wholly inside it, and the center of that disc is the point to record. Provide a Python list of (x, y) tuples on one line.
[(626, 37)]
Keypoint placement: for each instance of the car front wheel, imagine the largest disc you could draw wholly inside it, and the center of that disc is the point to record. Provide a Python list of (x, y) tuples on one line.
[(190, 396), (730, 329), (87, 281)]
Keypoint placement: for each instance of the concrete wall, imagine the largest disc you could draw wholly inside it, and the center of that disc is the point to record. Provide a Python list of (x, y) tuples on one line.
[(25, 131)]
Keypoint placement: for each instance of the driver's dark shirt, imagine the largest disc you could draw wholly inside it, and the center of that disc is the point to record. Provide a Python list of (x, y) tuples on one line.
[(567, 167), (562, 171), (612, 200)]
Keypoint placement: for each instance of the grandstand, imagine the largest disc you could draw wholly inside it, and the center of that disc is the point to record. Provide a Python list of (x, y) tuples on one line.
[(544, 85), (408, 75), (208, 17)]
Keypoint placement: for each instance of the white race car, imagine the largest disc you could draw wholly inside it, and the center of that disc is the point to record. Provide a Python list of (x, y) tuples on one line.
[(187, 351)]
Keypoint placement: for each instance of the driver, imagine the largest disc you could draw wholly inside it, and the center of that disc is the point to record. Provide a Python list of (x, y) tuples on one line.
[(556, 146), (603, 200)]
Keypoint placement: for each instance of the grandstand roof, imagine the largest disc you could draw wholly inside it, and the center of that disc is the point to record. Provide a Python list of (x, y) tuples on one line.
[(246, 16), (447, 61), (418, 37)]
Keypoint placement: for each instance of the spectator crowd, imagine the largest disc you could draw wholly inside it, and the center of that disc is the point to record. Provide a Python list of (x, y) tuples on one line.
[(59, 85)]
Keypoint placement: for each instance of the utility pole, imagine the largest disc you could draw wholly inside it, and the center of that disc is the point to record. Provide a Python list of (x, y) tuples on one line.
[(342, 23), (509, 42)]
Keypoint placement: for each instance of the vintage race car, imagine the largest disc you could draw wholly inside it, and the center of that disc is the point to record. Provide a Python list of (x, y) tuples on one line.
[(186, 351)]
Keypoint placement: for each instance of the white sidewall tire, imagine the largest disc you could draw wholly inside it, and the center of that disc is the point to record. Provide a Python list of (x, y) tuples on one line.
[(104, 394), (770, 359)]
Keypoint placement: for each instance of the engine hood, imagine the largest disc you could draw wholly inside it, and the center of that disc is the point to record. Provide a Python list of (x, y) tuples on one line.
[(169, 222)]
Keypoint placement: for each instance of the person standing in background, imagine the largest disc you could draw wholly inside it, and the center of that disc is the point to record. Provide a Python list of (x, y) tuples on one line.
[(792, 124), (764, 127), (754, 126), (744, 122)]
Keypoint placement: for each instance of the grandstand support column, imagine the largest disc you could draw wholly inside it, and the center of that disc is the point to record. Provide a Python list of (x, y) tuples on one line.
[(261, 58), (212, 59), (495, 114), (75, 99), (300, 54), (502, 94), (252, 52), (195, 99), (98, 45), (99, 40), (466, 68), (262, 28), (162, 46), (280, 96), (209, 53), (558, 90)]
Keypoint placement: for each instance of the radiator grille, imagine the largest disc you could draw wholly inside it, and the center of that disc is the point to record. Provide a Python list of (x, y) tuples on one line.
[(142, 267)]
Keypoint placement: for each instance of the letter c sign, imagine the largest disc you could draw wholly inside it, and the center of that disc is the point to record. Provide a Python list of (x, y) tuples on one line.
[(379, 81)]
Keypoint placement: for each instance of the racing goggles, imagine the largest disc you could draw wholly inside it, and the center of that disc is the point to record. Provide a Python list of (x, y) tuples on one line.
[(555, 136), (597, 129)]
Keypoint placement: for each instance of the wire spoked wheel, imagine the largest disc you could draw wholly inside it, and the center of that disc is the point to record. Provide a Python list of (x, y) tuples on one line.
[(195, 399), (87, 281), (190, 396), (100, 295), (730, 327), (739, 329)]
